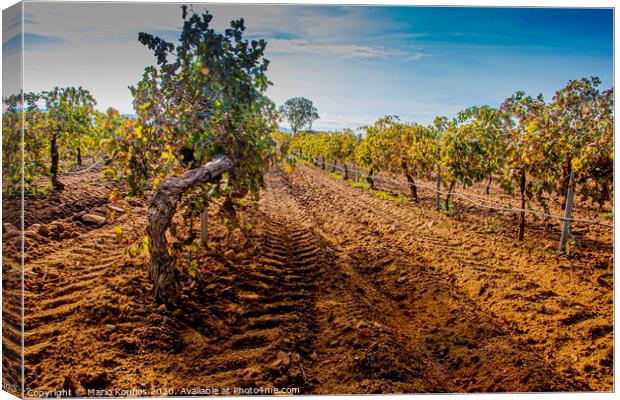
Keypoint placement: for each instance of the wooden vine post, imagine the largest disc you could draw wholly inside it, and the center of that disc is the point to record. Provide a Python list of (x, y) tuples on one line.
[(522, 187), (163, 272), (570, 194), (204, 226), (438, 189)]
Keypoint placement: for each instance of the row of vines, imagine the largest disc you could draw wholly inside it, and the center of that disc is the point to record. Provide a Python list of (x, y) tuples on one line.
[(532, 148), (60, 129)]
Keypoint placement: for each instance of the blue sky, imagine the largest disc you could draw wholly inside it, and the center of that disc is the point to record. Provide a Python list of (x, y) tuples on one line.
[(357, 63)]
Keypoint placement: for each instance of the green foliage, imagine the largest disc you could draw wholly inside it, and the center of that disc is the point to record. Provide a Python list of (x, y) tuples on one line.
[(204, 98), (299, 112), (337, 147), (396, 147), (375, 152), (469, 146), (69, 112), (329, 147), (490, 225), (138, 248), (579, 130), (335, 175), (108, 130), (390, 197), (361, 185), (282, 144), (448, 207), (400, 148), (22, 112), (66, 121), (527, 154)]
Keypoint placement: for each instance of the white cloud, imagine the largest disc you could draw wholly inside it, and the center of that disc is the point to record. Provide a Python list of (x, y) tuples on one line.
[(417, 56), (296, 46)]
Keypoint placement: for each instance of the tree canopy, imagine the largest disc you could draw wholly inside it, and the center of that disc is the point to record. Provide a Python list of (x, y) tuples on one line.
[(299, 112)]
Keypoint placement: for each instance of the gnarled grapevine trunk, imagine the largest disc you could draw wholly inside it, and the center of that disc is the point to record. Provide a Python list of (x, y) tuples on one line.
[(449, 194), (412, 187), (163, 272), (346, 171), (369, 178), (56, 184)]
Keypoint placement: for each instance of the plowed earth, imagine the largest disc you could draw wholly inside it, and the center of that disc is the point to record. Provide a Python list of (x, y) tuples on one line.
[(335, 291)]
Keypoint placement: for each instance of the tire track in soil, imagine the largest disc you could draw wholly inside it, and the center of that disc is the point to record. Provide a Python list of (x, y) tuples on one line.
[(272, 330), (298, 321), (79, 305), (474, 350), (350, 349), (91, 324), (11, 324)]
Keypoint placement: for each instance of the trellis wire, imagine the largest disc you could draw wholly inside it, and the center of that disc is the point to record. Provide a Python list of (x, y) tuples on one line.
[(81, 171), (476, 203)]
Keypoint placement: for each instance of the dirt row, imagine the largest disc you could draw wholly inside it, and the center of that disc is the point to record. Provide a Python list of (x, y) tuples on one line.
[(52, 225), (558, 310), (84, 192)]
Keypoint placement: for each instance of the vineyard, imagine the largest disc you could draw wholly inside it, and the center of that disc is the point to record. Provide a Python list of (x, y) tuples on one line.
[(196, 247)]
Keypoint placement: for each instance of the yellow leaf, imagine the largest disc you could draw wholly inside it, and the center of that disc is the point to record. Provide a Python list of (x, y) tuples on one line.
[(114, 196), (145, 245), (119, 234), (157, 181), (576, 164), (132, 250)]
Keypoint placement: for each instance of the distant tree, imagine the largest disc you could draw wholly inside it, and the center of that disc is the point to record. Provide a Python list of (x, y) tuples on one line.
[(299, 112)]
